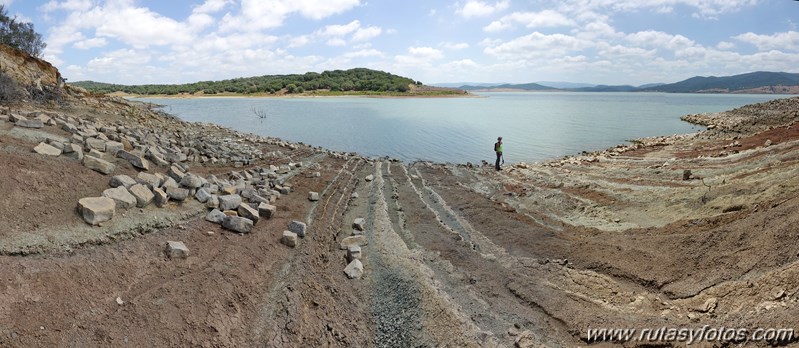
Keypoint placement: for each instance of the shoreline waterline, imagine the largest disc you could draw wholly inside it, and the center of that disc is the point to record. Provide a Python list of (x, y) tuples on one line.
[(539, 127)]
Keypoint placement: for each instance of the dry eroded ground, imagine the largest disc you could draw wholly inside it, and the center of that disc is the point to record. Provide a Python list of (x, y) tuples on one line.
[(456, 257)]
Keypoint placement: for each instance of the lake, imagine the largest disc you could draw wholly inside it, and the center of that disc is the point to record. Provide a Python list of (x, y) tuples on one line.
[(535, 126)]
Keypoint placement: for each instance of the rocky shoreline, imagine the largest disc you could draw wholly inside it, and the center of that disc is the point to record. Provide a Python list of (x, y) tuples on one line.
[(126, 226)]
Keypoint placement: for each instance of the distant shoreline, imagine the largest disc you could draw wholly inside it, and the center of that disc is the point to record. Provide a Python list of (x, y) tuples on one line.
[(288, 96)]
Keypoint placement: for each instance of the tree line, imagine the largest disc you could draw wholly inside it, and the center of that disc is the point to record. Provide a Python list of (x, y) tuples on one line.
[(358, 79), (20, 35)]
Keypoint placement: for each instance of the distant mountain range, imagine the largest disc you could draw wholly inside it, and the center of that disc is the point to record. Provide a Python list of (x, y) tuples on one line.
[(756, 82)]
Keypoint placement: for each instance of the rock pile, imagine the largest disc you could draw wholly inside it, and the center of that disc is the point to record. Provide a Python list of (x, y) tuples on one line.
[(352, 245)]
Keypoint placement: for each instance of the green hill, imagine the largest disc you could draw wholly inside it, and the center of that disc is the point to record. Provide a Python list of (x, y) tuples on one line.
[(755, 80), (353, 80), (523, 86)]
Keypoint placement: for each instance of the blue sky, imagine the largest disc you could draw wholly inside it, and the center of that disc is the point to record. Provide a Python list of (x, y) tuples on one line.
[(516, 41)]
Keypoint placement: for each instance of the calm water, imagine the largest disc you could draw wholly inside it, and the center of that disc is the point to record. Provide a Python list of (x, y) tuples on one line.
[(534, 126)]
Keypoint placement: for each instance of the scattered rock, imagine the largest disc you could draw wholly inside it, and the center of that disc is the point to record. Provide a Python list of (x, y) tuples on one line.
[(216, 216), (121, 196), (122, 180), (354, 195), (359, 240), (96, 210), (245, 210), (119, 301), (289, 238), (177, 193), (34, 123), (369, 178), (176, 250), (298, 228), (359, 224), (229, 202), (354, 269), (686, 174), (768, 143), (267, 211), (98, 165), (47, 149), (143, 195), (202, 195), (313, 196), (237, 224), (150, 180), (160, 198), (353, 253)]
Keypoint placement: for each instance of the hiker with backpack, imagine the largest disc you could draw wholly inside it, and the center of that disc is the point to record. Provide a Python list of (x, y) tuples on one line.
[(498, 150)]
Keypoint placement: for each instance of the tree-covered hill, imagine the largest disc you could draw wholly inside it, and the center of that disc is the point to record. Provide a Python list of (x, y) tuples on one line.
[(754, 80), (353, 80)]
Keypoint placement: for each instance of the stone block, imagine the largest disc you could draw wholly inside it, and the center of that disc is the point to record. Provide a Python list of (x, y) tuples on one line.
[(96, 210), (215, 216), (298, 227), (177, 193), (359, 224), (229, 202), (47, 149), (353, 240), (202, 195), (121, 196), (122, 180), (143, 195), (289, 238), (353, 253), (354, 270), (267, 211), (237, 224), (98, 165), (313, 196), (176, 250), (160, 198), (245, 210)]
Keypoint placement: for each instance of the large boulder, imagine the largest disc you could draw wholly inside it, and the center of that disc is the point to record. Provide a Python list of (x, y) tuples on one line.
[(143, 195), (98, 165), (229, 202), (47, 149), (95, 144), (359, 224), (113, 147), (121, 196), (202, 195), (96, 210), (353, 252), (237, 224), (191, 181), (313, 196)]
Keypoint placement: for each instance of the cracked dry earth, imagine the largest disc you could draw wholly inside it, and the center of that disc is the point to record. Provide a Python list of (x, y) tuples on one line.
[(457, 256)]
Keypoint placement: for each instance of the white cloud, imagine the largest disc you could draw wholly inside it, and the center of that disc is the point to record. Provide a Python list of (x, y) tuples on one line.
[(260, 14), (724, 45), (91, 43), (709, 9), (370, 52), (368, 33), (477, 8), (658, 39), (542, 19), (454, 46), (425, 52), (780, 41), (536, 45), (212, 6), (336, 42), (340, 30)]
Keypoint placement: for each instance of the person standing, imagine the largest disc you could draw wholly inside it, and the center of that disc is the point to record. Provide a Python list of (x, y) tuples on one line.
[(498, 150)]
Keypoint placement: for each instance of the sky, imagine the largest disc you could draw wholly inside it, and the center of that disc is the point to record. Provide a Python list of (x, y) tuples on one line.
[(511, 41)]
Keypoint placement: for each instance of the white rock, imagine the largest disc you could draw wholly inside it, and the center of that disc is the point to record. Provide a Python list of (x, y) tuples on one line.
[(354, 270), (96, 210), (121, 197), (289, 238), (176, 250), (47, 149)]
